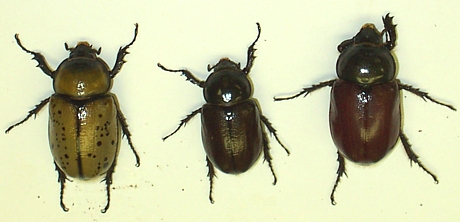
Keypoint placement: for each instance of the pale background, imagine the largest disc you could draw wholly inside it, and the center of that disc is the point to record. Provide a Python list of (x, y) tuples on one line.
[(297, 48)]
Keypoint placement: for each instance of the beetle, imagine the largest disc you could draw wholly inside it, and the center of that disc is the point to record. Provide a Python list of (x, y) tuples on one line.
[(85, 121), (365, 106), (231, 120)]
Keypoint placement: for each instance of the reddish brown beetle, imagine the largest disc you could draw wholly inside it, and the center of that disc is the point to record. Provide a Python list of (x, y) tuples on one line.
[(232, 122), (365, 107)]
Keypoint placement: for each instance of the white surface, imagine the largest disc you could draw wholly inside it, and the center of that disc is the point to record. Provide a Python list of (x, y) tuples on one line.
[(297, 48)]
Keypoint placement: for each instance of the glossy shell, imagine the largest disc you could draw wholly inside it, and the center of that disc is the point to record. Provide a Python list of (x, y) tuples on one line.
[(227, 85), (366, 64), (364, 122), (82, 78), (232, 136), (84, 136)]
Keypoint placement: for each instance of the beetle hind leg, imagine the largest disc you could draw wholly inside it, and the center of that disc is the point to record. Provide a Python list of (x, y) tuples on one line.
[(108, 182), (61, 179), (211, 175), (267, 156), (413, 156), (340, 172)]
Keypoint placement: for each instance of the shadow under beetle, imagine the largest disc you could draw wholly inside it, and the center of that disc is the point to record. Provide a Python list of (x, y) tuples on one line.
[(231, 120), (365, 107), (85, 121)]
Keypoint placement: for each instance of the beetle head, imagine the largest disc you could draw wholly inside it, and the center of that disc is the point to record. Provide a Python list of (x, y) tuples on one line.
[(368, 35), (83, 49)]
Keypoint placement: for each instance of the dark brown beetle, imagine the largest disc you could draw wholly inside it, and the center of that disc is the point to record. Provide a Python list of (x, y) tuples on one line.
[(365, 107), (232, 122)]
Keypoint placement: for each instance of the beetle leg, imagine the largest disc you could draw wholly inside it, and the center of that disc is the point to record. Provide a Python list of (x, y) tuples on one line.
[(61, 179), (412, 156), (267, 156), (273, 132), (190, 77), (251, 51), (32, 112), (124, 127), (424, 95), (390, 31), (122, 52), (108, 181), (308, 90), (183, 122), (211, 175), (340, 172), (42, 64)]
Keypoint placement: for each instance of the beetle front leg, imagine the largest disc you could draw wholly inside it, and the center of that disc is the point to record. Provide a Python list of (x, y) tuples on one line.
[(32, 112), (340, 172), (183, 122), (251, 51), (190, 77), (211, 175), (424, 95), (390, 31), (61, 179), (122, 52), (308, 90), (42, 64), (412, 156), (124, 127)]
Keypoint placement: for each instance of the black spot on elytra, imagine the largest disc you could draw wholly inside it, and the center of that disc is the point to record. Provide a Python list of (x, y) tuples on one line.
[(59, 112), (100, 115), (99, 143), (66, 156), (113, 142)]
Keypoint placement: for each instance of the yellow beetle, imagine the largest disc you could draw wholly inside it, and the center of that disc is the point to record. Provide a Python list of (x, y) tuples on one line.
[(85, 121)]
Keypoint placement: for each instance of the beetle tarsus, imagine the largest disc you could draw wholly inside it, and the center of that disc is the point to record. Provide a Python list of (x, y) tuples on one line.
[(124, 127), (122, 52), (340, 172), (424, 95), (61, 179), (108, 182), (308, 90), (183, 122), (32, 112), (211, 175), (251, 51), (42, 64), (413, 156)]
